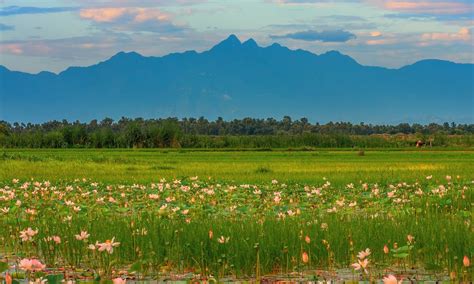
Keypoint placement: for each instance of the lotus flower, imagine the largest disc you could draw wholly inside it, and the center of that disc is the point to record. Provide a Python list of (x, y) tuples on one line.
[(31, 265), (390, 279), (28, 234), (82, 236), (305, 257), (119, 280), (363, 254), (108, 245), (466, 262), (361, 264)]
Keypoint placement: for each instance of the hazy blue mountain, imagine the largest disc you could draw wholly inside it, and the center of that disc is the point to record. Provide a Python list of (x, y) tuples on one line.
[(235, 80)]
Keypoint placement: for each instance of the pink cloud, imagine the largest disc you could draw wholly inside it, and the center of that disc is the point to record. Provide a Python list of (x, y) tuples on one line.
[(375, 34), (133, 3), (102, 14), (424, 7), (434, 7), (111, 14), (143, 15), (14, 49), (381, 41), (464, 34), (36, 48)]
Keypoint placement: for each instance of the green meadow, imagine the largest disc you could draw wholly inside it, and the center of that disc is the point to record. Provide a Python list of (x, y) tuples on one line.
[(339, 166)]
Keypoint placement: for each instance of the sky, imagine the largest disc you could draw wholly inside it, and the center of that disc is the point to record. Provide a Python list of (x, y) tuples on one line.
[(51, 35)]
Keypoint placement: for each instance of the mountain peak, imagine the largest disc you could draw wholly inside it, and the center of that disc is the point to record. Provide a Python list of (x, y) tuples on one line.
[(231, 42), (232, 38), (335, 56), (276, 46), (332, 53), (250, 43), (123, 54)]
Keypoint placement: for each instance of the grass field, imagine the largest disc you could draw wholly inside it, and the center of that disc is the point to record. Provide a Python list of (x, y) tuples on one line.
[(263, 215), (339, 166)]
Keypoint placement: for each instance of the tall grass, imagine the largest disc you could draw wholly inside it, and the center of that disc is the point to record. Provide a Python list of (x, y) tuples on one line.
[(222, 230)]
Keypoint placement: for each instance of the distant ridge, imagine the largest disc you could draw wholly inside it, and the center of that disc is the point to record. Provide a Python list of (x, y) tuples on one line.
[(237, 79)]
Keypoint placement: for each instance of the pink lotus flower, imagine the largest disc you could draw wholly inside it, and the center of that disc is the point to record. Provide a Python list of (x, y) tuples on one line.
[(31, 265), (277, 199), (56, 239), (363, 254), (361, 264), (390, 279), (307, 239), (466, 262), (305, 257), (8, 279), (119, 280), (108, 245), (28, 234), (82, 236)]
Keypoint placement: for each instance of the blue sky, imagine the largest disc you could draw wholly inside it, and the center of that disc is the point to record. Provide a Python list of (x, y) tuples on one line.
[(54, 34)]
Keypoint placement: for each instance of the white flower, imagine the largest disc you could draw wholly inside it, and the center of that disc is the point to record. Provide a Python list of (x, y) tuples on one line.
[(223, 239)]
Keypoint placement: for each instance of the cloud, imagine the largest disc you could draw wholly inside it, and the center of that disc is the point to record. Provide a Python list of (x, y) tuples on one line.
[(14, 49), (324, 36), (339, 22), (102, 14), (428, 7), (135, 3), (17, 10), (381, 41), (464, 34), (4, 27), (375, 34), (414, 7), (132, 19), (306, 2), (137, 15), (67, 48), (58, 54)]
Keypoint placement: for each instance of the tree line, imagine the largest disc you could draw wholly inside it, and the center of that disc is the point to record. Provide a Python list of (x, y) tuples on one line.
[(237, 133)]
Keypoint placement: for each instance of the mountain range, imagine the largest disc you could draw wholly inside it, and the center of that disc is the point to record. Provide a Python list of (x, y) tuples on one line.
[(237, 79)]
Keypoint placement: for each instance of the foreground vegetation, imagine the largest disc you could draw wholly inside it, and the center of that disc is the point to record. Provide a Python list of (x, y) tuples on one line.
[(199, 229), (103, 214)]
